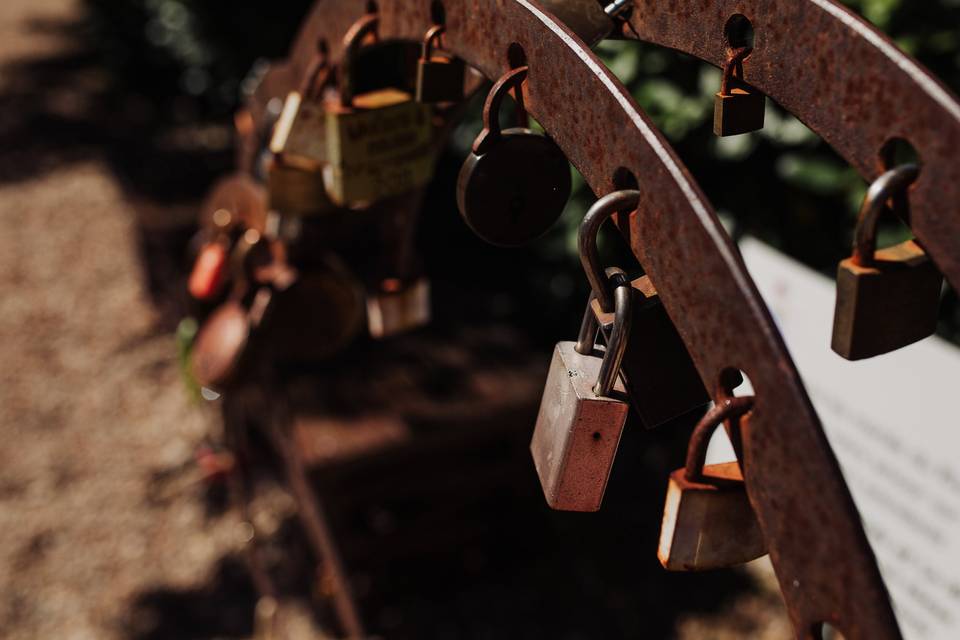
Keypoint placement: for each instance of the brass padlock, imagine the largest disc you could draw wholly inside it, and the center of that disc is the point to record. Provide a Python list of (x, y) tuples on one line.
[(515, 183), (889, 298), (396, 306), (738, 107), (582, 414), (300, 132), (379, 144), (297, 189), (708, 522), (439, 77), (657, 370)]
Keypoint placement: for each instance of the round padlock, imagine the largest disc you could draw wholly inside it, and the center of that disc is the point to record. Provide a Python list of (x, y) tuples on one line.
[(515, 183)]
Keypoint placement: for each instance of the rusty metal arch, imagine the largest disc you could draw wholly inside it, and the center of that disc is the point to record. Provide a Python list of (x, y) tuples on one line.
[(844, 79), (824, 564)]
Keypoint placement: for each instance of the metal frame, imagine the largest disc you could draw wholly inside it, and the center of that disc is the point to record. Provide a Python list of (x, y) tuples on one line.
[(847, 82)]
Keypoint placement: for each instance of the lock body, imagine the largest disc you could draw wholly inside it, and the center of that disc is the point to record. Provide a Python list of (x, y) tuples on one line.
[(658, 373), (440, 79), (515, 190), (396, 307), (577, 432), (297, 188), (300, 132), (741, 111), (379, 146), (887, 305), (709, 524), (209, 272)]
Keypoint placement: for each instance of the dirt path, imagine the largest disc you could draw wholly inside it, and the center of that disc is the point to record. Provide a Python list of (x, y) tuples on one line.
[(90, 404)]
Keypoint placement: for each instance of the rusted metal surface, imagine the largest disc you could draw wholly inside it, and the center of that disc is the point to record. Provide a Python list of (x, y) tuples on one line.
[(845, 80), (847, 83)]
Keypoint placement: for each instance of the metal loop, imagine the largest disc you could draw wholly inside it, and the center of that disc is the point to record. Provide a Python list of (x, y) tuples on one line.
[(317, 75), (619, 335), (512, 79), (893, 182), (352, 41), (589, 326), (728, 408), (602, 209), (433, 35), (734, 66)]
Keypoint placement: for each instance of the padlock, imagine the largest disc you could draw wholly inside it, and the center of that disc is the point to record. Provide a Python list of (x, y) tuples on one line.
[(738, 107), (297, 189), (658, 372), (300, 132), (582, 414), (396, 306), (244, 199), (515, 183), (318, 315), (223, 342), (708, 522), (889, 298), (379, 143), (439, 77)]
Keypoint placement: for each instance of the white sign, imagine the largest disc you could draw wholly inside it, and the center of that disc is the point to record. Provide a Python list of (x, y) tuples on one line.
[(892, 421)]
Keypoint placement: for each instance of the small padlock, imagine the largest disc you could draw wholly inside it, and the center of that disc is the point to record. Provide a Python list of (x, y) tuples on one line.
[(582, 414), (244, 199), (379, 143), (515, 183), (708, 522), (658, 372), (738, 107), (396, 306), (439, 77), (889, 298), (223, 342)]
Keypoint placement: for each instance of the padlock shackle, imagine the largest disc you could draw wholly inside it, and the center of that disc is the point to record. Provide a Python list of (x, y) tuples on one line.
[(619, 335), (600, 212), (317, 75), (512, 79), (433, 35), (728, 408), (352, 42), (733, 66), (894, 182)]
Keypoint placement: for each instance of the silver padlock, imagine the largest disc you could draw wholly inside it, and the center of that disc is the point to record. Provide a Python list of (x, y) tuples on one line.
[(583, 411)]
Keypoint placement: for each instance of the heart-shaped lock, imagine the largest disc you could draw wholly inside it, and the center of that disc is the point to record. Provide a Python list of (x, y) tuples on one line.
[(516, 182)]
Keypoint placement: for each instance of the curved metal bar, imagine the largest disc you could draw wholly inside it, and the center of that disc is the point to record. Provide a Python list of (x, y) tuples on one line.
[(886, 186), (845, 80), (823, 561), (599, 213)]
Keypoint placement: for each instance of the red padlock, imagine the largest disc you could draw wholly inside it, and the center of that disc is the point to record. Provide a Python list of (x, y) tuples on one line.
[(209, 271)]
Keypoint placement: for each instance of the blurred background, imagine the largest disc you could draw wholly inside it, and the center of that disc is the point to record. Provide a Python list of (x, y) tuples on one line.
[(115, 119)]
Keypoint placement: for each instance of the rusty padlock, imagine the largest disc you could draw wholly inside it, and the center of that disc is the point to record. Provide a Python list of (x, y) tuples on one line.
[(737, 107), (223, 342), (515, 183), (582, 413), (657, 370), (379, 143), (396, 306), (708, 522), (887, 298), (439, 77)]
